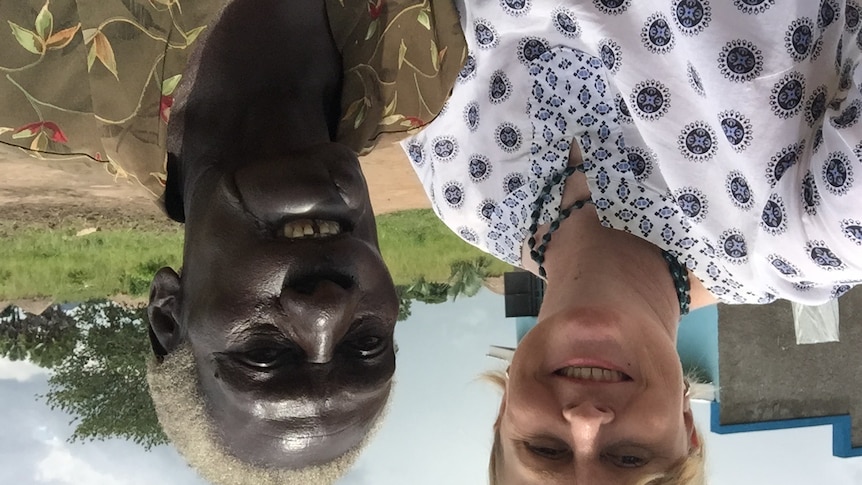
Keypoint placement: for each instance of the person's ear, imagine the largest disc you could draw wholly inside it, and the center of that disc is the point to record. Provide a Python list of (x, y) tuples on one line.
[(163, 312)]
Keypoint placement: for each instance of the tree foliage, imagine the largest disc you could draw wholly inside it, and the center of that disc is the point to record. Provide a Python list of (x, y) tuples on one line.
[(98, 354), (466, 278), (44, 339)]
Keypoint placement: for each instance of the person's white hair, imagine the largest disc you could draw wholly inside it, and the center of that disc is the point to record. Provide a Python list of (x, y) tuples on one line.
[(175, 390)]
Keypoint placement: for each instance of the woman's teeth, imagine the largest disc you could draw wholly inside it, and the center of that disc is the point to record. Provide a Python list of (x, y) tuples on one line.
[(311, 228), (592, 374)]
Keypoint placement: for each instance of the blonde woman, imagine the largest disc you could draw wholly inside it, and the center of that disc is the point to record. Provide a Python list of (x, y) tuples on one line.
[(645, 159)]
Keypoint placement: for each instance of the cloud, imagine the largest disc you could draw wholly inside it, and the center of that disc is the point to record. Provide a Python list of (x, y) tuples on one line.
[(20, 370), (61, 467)]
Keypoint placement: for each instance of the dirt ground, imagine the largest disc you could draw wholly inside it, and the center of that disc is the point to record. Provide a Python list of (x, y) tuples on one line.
[(49, 193)]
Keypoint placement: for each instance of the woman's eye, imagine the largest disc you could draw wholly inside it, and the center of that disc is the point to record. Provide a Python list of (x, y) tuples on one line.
[(548, 452), (367, 346), (628, 461)]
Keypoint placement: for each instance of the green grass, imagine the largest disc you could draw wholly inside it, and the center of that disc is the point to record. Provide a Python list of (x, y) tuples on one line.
[(54, 263), (59, 265), (415, 243)]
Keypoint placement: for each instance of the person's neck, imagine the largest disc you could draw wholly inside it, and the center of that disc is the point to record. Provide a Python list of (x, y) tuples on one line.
[(589, 264), (264, 81), (592, 263)]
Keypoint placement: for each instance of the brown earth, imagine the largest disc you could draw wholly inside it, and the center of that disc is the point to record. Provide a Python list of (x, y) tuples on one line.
[(82, 194), (48, 193)]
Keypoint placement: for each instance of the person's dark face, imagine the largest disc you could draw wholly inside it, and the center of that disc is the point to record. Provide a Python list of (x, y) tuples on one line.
[(292, 332)]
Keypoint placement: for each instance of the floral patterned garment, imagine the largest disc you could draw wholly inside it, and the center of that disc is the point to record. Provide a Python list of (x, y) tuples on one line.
[(96, 79)]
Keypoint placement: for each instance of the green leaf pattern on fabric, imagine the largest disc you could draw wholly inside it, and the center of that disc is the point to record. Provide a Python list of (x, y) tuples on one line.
[(97, 79)]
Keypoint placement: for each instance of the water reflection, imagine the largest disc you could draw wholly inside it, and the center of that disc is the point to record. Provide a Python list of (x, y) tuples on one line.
[(437, 430)]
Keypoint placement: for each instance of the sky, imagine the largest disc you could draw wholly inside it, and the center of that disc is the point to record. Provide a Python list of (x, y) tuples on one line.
[(437, 431)]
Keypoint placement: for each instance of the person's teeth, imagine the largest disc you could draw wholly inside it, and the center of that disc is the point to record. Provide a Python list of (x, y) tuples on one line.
[(593, 374), (308, 228)]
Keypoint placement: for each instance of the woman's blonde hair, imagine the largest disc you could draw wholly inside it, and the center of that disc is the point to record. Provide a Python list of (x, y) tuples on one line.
[(691, 470)]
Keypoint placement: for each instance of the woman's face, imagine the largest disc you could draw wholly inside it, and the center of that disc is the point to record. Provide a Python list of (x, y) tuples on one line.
[(594, 396)]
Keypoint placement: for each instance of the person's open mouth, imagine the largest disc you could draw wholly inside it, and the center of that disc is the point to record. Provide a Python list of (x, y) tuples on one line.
[(594, 374), (311, 228)]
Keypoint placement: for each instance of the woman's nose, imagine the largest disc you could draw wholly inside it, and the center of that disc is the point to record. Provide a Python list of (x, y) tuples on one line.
[(585, 420), (318, 315)]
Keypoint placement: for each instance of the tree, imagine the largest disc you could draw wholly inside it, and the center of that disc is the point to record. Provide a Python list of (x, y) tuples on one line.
[(404, 303), (428, 291), (44, 339), (103, 381), (98, 352), (466, 277)]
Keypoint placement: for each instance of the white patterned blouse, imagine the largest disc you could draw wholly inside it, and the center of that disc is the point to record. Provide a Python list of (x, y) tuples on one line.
[(725, 132)]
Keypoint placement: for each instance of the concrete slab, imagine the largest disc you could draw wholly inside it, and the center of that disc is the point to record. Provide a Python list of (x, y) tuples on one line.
[(766, 376)]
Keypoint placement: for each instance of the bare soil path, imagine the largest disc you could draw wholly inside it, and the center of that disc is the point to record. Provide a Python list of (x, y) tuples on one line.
[(48, 193)]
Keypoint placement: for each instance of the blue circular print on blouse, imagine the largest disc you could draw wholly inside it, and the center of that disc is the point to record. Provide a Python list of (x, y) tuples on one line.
[(531, 48), (651, 99), (692, 16), (566, 23), (783, 266), (513, 182), (837, 173), (816, 106), (515, 7), (799, 38), (829, 12), (772, 218), (786, 97), (810, 195), (740, 192), (612, 7), (508, 137), (782, 161), (486, 36), (468, 234), (415, 153), (848, 117), (852, 230), (697, 142), (690, 204), (479, 168), (657, 35), (611, 54), (740, 60), (823, 256), (639, 163), (445, 148), (469, 70), (734, 246), (471, 115), (500, 88), (453, 192), (487, 208), (736, 128), (851, 17), (753, 7)]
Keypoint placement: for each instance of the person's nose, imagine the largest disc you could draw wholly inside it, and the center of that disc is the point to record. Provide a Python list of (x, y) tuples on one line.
[(585, 421), (318, 314)]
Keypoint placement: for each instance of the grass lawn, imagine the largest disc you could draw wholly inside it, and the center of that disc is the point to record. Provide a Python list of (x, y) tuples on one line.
[(54, 263)]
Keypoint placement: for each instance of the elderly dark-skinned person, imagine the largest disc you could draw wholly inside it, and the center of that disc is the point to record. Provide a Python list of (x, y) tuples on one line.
[(273, 346), (645, 158)]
